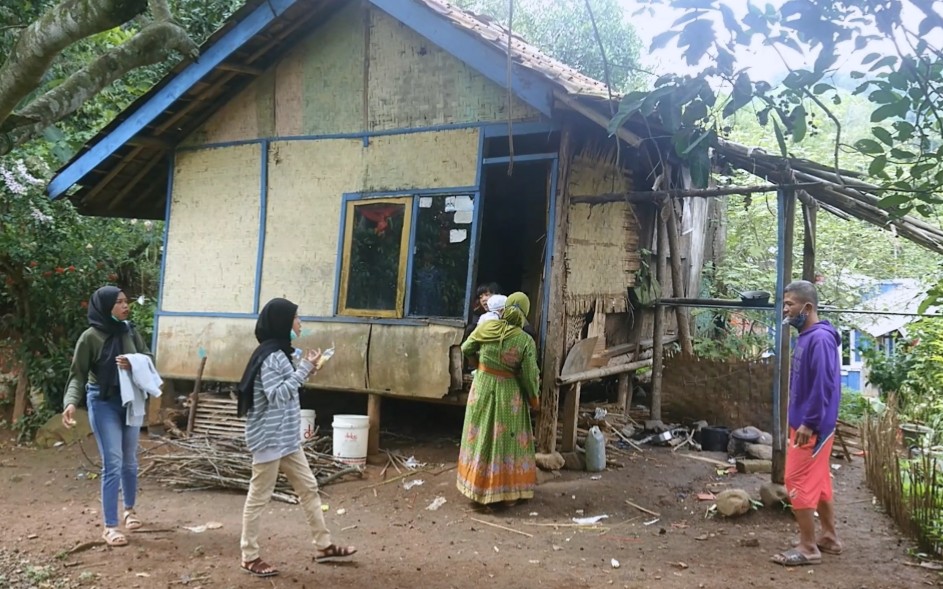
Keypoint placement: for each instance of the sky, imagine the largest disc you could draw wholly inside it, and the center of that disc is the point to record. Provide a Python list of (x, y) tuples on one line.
[(764, 62)]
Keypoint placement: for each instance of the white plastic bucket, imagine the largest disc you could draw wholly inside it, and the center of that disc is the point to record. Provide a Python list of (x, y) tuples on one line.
[(350, 438), (307, 425)]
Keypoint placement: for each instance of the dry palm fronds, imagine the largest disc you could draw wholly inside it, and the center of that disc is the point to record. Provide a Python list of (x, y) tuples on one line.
[(199, 463)]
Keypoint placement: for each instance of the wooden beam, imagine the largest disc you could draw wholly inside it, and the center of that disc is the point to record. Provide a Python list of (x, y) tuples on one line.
[(596, 117), (809, 213), (658, 346), (677, 278), (374, 403), (624, 399), (240, 68), (787, 202), (152, 142), (602, 372), (132, 184), (571, 413), (555, 322), (649, 196), (195, 395)]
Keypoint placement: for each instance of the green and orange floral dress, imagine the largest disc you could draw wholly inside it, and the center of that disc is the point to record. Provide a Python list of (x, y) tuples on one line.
[(496, 461)]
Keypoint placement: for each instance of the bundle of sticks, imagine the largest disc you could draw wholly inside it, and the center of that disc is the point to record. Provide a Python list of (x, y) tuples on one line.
[(201, 463)]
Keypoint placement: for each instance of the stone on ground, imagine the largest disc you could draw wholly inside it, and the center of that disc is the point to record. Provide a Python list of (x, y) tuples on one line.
[(552, 461), (53, 431), (733, 502), (773, 495)]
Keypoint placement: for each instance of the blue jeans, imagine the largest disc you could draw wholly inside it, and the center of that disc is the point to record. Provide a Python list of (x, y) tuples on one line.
[(118, 448)]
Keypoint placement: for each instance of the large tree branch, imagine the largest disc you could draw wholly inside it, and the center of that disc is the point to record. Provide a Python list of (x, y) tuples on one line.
[(151, 45), (40, 43)]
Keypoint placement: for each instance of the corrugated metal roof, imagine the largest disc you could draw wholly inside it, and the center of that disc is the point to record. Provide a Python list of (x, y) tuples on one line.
[(904, 298)]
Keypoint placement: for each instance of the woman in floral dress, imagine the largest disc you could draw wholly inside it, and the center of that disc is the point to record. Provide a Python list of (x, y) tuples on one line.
[(496, 461)]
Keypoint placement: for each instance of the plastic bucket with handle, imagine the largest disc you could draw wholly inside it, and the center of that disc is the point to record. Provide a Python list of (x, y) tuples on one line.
[(308, 430), (350, 439)]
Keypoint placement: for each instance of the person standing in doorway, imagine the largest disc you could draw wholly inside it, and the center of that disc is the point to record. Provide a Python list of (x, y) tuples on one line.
[(814, 397), (268, 398)]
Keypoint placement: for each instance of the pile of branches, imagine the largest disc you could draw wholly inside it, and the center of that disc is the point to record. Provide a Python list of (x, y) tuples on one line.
[(202, 463)]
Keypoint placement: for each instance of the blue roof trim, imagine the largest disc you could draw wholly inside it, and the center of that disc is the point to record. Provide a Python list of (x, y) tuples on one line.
[(468, 49), (212, 57)]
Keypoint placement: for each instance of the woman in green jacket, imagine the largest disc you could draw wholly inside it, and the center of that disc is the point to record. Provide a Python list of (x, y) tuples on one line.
[(99, 355)]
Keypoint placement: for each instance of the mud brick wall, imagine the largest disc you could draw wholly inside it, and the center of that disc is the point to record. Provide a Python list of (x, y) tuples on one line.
[(730, 393)]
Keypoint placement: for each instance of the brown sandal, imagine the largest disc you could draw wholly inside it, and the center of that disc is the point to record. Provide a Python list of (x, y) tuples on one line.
[(259, 568), (334, 551)]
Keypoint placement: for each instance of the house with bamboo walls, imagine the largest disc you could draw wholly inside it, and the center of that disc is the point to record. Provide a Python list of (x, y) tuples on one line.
[(373, 161)]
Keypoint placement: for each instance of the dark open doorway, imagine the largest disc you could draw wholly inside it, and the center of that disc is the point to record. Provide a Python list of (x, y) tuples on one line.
[(513, 236)]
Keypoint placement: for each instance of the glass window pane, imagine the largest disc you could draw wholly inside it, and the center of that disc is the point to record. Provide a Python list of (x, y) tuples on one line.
[(375, 246), (440, 264)]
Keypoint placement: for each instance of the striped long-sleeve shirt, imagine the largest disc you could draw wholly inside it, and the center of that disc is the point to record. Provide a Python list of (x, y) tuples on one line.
[(273, 425)]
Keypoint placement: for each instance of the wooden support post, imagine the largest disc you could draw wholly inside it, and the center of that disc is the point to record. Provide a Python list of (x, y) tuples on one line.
[(555, 321), (787, 222), (677, 277), (195, 395), (625, 392), (658, 345), (809, 211), (373, 417), (19, 397), (571, 413)]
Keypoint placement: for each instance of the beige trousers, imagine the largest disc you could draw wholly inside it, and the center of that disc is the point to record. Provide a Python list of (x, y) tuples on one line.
[(262, 485)]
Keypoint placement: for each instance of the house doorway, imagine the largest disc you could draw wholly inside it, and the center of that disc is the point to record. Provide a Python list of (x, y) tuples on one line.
[(514, 229)]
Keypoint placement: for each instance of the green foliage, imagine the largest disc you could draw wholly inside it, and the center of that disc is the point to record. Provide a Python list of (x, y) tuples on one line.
[(563, 30), (889, 372), (854, 406), (51, 260), (921, 393), (730, 336), (899, 71)]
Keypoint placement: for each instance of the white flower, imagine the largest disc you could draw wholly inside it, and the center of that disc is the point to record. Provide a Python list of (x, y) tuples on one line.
[(148, 225), (25, 175), (134, 221), (142, 299), (89, 246), (39, 215), (12, 183)]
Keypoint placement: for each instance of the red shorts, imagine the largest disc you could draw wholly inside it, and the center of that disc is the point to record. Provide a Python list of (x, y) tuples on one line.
[(808, 475)]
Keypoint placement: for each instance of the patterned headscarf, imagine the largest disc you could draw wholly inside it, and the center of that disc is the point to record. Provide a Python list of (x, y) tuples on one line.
[(513, 318)]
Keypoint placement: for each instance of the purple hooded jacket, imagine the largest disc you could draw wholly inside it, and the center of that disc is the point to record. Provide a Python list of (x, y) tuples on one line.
[(815, 382)]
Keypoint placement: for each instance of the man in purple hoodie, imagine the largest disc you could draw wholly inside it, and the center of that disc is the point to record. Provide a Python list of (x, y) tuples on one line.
[(814, 396)]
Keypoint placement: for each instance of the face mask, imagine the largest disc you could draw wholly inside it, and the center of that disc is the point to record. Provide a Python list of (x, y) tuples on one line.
[(798, 321), (292, 335)]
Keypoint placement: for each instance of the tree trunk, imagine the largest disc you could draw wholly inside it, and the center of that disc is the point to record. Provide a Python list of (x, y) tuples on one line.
[(677, 277)]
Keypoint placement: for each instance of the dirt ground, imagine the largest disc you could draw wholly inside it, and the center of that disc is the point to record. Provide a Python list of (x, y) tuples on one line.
[(51, 506)]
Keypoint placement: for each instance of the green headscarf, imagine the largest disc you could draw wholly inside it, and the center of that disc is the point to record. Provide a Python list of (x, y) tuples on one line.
[(514, 317)]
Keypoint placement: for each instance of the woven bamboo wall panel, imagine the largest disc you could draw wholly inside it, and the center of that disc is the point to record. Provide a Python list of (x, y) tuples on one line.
[(212, 240), (306, 180), (421, 160), (237, 120), (602, 240), (333, 74), (734, 393), (414, 83)]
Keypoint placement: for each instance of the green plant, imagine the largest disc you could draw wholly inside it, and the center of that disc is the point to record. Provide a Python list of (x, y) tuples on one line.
[(854, 406)]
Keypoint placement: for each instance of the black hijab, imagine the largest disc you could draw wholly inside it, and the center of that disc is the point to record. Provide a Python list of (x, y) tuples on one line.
[(100, 317), (273, 331)]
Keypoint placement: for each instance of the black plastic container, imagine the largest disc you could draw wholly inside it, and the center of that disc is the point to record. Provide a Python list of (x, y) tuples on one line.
[(713, 438)]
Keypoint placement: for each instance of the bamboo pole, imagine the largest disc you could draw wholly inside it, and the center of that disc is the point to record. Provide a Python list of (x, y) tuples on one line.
[(808, 242), (195, 395), (787, 216), (658, 346), (677, 279), (649, 196)]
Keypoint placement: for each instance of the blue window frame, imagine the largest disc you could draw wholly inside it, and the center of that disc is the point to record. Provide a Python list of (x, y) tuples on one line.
[(406, 254)]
